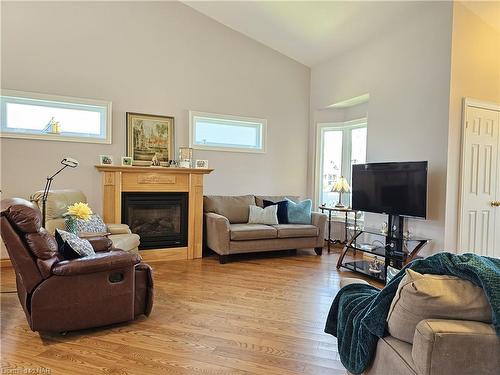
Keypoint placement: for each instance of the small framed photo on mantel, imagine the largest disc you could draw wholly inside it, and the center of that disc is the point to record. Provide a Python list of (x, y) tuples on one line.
[(106, 159), (148, 137), (202, 164), (126, 161)]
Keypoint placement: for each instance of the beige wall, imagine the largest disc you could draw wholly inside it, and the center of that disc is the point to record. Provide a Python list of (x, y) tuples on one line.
[(475, 73), (159, 58), (406, 72)]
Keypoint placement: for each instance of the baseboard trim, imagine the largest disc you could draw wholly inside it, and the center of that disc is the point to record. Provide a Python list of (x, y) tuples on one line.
[(159, 255)]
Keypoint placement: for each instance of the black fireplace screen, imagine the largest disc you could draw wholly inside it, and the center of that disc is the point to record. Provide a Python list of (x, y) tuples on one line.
[(160, 219)]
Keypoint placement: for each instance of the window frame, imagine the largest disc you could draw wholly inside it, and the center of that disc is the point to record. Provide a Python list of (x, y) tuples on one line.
[(345, 170), (71, 137), (196, 146)]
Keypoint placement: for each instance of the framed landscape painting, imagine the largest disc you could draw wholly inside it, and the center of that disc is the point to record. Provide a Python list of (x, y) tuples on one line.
[(150, 135)]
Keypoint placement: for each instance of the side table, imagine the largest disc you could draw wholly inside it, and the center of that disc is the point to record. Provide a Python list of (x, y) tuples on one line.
[(346, 211)]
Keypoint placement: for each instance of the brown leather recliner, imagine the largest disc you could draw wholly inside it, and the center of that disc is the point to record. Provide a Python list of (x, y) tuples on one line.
[(65, 295)]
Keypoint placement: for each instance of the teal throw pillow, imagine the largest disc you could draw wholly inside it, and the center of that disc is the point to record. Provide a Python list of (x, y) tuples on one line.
[(299, 213)]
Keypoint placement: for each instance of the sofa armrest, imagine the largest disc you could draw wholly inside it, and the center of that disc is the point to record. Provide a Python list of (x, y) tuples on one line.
[(442, 347), (118, 229), (96, 263), (100, 243), (319, 219), (218, 233)]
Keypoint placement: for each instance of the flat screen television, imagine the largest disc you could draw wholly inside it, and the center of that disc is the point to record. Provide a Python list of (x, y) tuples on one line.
[(398, 188)]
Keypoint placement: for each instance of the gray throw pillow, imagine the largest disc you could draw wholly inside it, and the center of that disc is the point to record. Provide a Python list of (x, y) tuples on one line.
[(79, 245)]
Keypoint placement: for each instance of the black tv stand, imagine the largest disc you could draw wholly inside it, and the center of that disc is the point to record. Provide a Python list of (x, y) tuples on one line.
[(395, 233), (394, 247)]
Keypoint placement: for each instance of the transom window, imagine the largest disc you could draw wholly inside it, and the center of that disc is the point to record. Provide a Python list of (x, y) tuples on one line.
[(50, 117), (210, 131), (340, 145)]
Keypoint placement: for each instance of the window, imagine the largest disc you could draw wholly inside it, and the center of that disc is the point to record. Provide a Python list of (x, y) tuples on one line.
[(49, 117), (340, 145), (210, 131)]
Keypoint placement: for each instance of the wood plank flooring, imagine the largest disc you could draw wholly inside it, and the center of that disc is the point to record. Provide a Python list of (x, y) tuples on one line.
[(253, 316)]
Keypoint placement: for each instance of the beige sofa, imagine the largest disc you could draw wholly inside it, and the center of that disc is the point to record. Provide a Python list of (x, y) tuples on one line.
[(228, 232), (438, 325), (57, 204)]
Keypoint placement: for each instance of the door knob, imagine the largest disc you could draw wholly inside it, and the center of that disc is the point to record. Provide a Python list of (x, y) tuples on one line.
[(495, 204)]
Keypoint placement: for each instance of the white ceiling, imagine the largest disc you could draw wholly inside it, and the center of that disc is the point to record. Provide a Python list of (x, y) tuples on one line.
[(309, 31)]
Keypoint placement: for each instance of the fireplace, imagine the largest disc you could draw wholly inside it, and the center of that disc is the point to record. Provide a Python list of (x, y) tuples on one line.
[(160, 219)]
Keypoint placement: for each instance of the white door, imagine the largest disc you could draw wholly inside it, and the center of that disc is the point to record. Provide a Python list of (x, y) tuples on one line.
[(480, 214)]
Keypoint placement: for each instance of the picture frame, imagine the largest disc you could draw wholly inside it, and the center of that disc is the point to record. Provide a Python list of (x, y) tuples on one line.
[(150, 135), (127, 160), (202, 164), (106, 159)]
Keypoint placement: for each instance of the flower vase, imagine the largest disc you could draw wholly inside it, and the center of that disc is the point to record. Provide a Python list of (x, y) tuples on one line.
[(71, 224)]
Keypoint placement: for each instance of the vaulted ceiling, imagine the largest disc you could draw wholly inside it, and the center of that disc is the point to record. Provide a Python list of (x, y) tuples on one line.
[(309, 31)]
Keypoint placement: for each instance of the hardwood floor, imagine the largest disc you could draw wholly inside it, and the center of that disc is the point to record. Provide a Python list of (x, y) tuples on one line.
[(256, 316)]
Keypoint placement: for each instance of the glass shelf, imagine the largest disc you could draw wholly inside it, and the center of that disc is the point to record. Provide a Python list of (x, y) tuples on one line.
[(378, 232), (378, 251), (363, 266)]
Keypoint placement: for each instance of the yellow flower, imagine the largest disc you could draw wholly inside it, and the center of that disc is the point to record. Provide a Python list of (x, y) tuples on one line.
[(80, 210)]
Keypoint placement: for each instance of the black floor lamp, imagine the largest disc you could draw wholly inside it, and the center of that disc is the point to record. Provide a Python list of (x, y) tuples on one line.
[(66, 162)]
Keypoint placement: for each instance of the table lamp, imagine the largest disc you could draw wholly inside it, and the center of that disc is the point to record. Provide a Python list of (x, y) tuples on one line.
[(66, 162), (340, 186)]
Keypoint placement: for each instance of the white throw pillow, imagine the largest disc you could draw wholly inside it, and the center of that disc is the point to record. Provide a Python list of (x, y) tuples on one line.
[(259, 215)]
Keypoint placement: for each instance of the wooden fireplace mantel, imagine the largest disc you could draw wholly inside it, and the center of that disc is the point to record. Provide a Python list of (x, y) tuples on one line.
[(117, 179)]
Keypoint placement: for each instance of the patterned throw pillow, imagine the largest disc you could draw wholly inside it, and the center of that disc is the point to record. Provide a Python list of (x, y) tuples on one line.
[(71, 246), (299, 213), (94, 225)]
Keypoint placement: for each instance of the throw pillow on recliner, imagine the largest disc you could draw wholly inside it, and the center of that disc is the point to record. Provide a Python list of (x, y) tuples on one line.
[(424, 296), (71, 246)]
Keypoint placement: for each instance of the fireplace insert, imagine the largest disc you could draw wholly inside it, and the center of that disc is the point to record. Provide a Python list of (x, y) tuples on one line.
[(160, 219)]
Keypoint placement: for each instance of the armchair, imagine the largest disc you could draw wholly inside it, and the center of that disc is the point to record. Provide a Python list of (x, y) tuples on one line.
[(436, 346), (57, 204), (64, 295)]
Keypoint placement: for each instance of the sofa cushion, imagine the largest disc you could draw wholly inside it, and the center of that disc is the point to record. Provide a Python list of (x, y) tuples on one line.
[(392, 357), (234, 208), (259, 199), (296, 230), (426, 296), (241, 232)]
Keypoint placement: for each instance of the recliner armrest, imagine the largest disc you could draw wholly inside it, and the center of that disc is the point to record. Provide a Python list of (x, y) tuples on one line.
[(96, 263), (442, 346), (118, 228)]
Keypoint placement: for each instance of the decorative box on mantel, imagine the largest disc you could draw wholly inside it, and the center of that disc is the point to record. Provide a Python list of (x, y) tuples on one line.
[(163, 205)]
